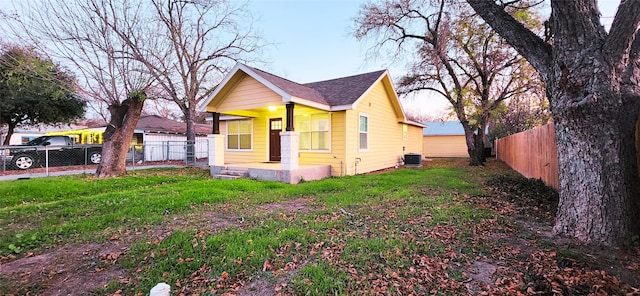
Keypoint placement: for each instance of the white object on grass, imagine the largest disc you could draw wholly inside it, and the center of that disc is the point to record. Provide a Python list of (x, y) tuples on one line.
[(161, 289)]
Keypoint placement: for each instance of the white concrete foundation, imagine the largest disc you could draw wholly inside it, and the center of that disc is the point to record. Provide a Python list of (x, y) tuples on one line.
[(272, 172)]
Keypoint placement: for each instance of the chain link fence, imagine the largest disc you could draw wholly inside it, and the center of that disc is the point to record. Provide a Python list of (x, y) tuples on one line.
[(44, 159), (191, 152)]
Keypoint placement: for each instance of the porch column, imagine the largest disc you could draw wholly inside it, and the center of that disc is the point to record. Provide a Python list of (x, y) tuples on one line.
[(290, 117), (216, 149), (216, 123), (289, 149)]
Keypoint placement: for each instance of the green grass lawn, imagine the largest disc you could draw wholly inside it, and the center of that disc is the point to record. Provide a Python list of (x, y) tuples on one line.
[(400, 232)]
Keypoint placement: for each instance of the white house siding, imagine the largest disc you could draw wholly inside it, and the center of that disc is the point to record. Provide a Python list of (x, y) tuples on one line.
[(161, 147), (20, 138)]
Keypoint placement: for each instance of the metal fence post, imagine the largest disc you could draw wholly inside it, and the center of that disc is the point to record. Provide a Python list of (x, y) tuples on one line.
[(190, 152), (167, 155), (46, 160)]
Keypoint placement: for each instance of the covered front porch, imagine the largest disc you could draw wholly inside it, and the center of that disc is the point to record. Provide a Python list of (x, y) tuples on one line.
[(253, 128), (272, 171), (267, 148)]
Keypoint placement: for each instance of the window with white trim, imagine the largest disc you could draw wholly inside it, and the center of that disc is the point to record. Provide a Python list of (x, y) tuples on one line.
[(363, 131), (239, 134), (314, 131)]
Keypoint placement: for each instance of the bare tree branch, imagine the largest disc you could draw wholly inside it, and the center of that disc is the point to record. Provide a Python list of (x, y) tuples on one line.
[(455, 56), (623, 32), (527, 43), (81, 34), (201, 41)]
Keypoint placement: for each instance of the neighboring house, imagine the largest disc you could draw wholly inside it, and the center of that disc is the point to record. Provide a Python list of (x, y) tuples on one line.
[(19, 136), (164, 139), (24, 134), (155, 138), (288, 131), (444, 139)]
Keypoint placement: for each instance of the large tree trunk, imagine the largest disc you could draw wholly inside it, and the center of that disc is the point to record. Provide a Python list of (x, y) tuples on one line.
[(190, 114), (638, 146), (592, 82), (11, 128), (595, 115), (479, 139), (470, 139), (480, 136), (118, 135), (599, 196)]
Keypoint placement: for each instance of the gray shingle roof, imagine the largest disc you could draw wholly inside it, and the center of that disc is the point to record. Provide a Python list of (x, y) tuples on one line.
[(345, 90), (157, 124), (334, 92)]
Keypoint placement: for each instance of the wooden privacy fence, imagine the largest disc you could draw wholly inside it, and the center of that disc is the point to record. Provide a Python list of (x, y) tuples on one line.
[(532, 153)]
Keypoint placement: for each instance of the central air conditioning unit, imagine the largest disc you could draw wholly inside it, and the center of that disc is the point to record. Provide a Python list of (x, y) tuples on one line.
[(413, 159)]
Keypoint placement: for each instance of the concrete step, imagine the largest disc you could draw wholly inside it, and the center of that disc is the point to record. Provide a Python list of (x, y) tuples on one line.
[(227, 177), (231, 172)]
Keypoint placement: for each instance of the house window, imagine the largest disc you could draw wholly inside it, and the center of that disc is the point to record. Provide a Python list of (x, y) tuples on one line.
[(239, 134), (405, 132), (363, 138), (276, 125), (314, 131)]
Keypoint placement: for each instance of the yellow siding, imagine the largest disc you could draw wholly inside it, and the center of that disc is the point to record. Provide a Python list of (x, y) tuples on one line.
[(248, 94), (336, 155), (260, 144), (351, 141), (445, 146), (385, 134), (414, 143), (386, 139)]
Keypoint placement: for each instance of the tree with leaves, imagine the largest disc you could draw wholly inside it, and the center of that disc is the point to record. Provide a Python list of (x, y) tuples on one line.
[(519, 114), (34, 90), (77, 33), (453, 54), (593, 86)]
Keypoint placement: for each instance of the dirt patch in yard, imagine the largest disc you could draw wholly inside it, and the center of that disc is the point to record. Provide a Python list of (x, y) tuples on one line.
[(510, 251), (207, 220), (270, 285), (78, 269), (73, 269), (290, 205), (482, 271), (525, 251)]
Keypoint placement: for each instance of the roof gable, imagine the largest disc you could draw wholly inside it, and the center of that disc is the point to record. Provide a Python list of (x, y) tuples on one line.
[(331, 95)]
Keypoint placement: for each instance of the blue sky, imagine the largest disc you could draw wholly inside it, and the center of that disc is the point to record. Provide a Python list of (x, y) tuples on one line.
[(311, 39), (312, 42)]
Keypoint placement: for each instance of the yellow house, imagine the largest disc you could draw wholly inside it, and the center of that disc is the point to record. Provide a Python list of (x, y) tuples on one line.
[(268, 127)]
